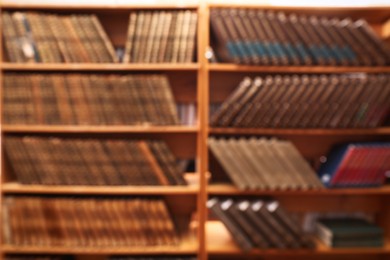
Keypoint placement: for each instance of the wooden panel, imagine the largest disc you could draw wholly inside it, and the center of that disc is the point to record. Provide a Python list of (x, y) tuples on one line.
[(183, 86)]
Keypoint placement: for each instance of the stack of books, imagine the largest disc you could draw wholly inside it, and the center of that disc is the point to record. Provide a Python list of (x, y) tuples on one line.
[(259, 224), (51, 38), (326, 101), (255, 164), (349, 232), (88, 99), (161, 36), (72, 161), (250, 36), (87, 222), (356, 165)]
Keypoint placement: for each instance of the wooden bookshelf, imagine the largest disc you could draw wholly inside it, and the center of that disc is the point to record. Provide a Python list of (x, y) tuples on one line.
[(202, 82)]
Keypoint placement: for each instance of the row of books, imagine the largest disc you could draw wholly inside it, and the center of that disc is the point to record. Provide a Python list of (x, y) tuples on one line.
[(258, 163), (88, 99), (161, 36), (325, 101), (356, 165), (87, 222), (72, 161), (259, 224), (349, 232), (51, 38), (253, 36)]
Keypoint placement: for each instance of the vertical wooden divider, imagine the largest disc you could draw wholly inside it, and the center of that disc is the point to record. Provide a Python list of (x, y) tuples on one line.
[(202, 121)]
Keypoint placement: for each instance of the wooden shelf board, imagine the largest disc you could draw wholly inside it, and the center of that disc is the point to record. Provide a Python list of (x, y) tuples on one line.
[(97, 129), (228, 189), (185, 248), (99, 66), (280, 131), (220, 242), (294, 69), (15, 188)]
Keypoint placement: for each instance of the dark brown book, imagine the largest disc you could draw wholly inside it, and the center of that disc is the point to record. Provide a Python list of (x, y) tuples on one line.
[(299, 108), (236, 107), (260, 208), (130, 39), (143, 36), (344, 33), (241, 119), (297, 43), (241, 238), (230, 208), (103, 38), (246, 35), (87, 37), (192, 38), (156, 40), (381, 46), (151, 37), (275, 106), (225, 47), (176, 37), (272, 96), (330, 42), (276, 210), (282, 40), (184, 36), (59, 36), (366, 45), (79, 52), (274, 44), (166, 36), (249, 120), (320, 45), (21, 165), (243, 87), (260, 226), (12, 50)]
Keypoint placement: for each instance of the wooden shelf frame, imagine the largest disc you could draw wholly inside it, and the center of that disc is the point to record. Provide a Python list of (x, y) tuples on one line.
[(287, 131), (226, 67), (231, 190), (117, 67), (15, 188), (11, 129), (199, 245)]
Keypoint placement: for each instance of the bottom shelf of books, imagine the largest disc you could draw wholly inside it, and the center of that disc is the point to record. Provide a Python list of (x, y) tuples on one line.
[(98, 225), (265, 227)]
